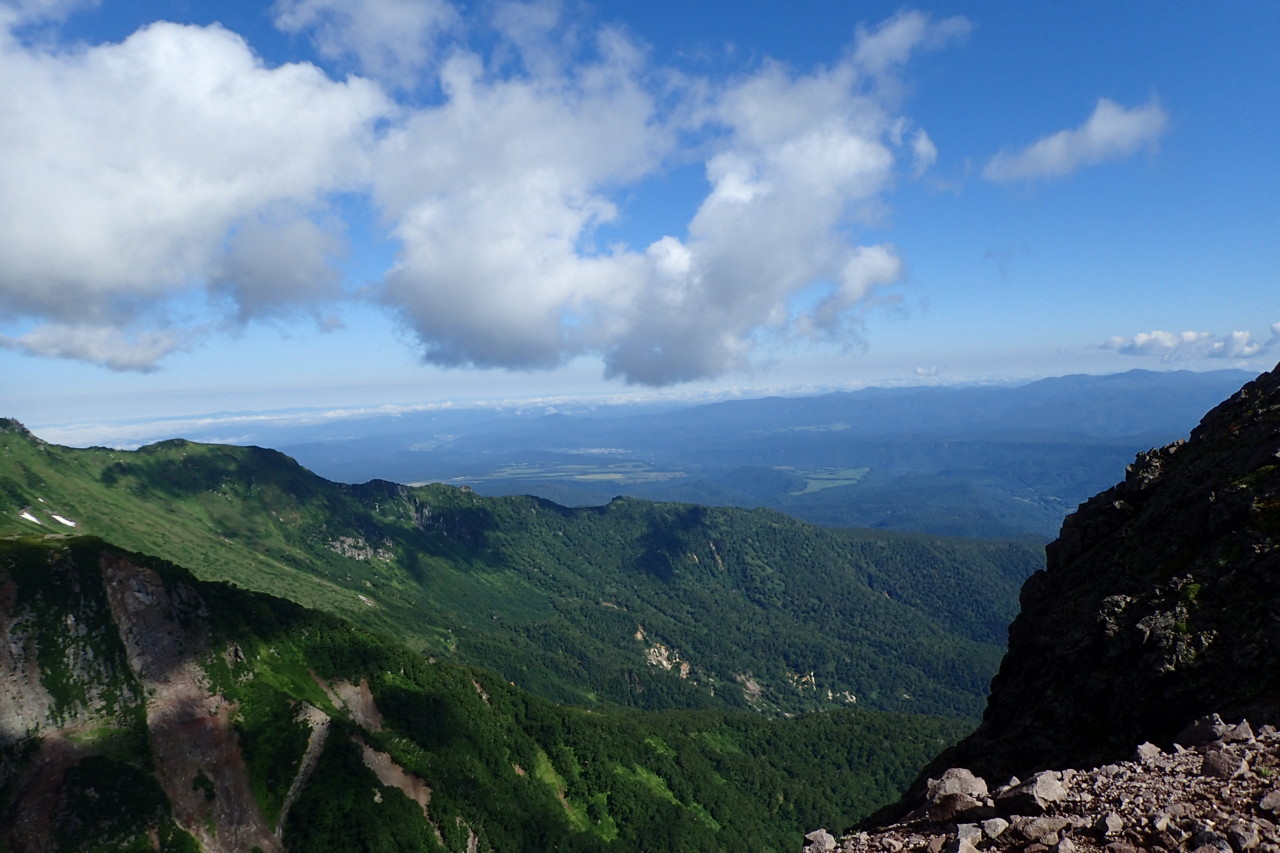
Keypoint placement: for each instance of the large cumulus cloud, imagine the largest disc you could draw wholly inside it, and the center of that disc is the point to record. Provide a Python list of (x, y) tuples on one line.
[(171, 185), (127, 170), (496, 193)]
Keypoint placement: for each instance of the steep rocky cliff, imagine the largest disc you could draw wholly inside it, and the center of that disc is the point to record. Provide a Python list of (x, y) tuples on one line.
[(1158, 609), (1160, 603)]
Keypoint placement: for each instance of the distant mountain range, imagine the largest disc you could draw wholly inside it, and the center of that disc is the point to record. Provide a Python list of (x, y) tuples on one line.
[(957, 461)]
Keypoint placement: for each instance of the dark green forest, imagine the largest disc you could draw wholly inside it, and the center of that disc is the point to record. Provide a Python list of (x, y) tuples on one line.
[(518, 771)]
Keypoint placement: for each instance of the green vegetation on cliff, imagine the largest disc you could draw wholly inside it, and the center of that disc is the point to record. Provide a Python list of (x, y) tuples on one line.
[(415, 755)]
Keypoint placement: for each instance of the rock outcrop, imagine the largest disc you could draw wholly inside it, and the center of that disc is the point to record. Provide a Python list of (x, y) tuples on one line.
[(1159, 604), (1221, 794)]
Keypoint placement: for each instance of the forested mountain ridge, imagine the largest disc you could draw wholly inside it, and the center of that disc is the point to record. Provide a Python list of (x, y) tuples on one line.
[(634, 603), (142, 709)]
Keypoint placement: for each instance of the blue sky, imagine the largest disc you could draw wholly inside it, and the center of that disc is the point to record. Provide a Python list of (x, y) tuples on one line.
[(332, 203)]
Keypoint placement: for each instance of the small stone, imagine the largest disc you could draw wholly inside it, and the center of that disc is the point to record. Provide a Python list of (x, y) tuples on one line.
[(1040, 829), (1221, 765), (957, 780), (1033, 796), (955, 807), (994, 827), (1203, 730), (1111, 824), (820, 841), (1119, 847), (1242, 732), (1244, 836), (1271, 802), (960, 846), (1148, 753), (936, 843), (1066, 845), (970, 832), (1208, 837)]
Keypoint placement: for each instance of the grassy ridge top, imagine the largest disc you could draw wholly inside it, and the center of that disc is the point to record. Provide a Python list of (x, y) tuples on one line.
[(633, 603)]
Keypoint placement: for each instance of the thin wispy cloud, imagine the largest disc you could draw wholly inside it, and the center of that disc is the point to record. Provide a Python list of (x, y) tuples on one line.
[(1111, 132), (393, 41), (1185, 346), (111, 347)]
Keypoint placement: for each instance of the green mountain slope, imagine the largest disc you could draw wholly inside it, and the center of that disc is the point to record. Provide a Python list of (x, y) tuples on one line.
[(634, 603), (143, 709)]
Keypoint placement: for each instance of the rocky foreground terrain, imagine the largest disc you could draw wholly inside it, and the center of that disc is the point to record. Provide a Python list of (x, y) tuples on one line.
[(1216, 790), (1159, 604)]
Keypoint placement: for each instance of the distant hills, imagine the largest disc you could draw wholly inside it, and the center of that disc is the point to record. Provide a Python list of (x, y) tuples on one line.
[(954, 461)]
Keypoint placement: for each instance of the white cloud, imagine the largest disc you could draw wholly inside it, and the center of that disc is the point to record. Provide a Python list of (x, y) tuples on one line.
[(1110, 133), (105, 345), (390, 40), (1183, 346), (926, 153), (124, 168), (278, 264), (880, 49), (1235, 345), (496, 194), (493, 194), (15, 13)]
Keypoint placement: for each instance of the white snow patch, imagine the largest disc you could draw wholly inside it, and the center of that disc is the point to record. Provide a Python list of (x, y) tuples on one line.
[(366, 600), (68, 522), (29, 517)]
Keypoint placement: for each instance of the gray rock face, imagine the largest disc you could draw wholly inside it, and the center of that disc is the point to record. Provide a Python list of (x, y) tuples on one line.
[(1156, 607)]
